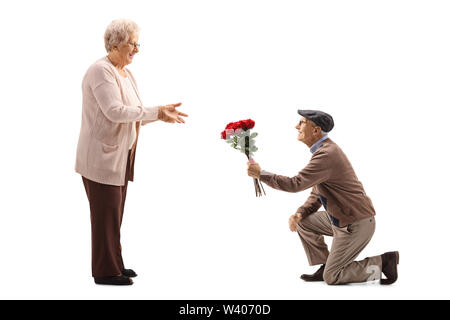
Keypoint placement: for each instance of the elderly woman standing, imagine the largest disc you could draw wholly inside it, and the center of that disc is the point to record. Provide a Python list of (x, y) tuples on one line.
[(112, 115)]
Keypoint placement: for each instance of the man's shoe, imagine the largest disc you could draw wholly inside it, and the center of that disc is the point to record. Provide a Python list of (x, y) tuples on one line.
[(114, 281), (390, 260), (317, 276), (129, 273)]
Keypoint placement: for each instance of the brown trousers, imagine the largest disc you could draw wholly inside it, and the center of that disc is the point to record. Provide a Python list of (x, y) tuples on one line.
[(107, 203), (348, 242)]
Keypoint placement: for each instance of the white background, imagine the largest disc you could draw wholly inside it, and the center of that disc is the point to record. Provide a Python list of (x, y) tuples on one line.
[(193, 228)]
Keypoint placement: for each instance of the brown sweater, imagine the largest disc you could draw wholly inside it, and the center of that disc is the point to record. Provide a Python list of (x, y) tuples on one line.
[(334, 183)]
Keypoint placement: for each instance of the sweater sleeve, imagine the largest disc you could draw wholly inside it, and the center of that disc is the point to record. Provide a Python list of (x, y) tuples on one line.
[(144, 122), (107, 93), (311, 205), (317, 171)]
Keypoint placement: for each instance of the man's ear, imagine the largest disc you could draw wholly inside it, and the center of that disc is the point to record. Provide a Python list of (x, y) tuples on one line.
[(317, 130)]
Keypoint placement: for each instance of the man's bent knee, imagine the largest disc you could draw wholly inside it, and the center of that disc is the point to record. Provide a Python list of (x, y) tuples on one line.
[(302, 223), (331, 278)]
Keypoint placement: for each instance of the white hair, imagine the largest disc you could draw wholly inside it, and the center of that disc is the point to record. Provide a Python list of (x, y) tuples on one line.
[(119, 32)]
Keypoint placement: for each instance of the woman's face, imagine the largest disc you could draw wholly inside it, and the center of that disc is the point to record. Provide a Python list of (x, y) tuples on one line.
[(126, 51)]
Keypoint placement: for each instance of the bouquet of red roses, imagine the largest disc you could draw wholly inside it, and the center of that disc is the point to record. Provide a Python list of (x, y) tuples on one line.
[(238, 135)]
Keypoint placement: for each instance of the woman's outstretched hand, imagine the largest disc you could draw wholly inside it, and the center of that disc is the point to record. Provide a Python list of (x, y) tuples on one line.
[(170, 114)]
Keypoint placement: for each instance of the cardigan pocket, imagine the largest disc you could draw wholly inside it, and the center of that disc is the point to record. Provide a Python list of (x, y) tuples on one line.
[(108, 148), (105, 156), (110, 157)]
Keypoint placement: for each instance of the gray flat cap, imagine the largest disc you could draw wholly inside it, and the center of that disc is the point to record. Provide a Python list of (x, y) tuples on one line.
[(320, 118)]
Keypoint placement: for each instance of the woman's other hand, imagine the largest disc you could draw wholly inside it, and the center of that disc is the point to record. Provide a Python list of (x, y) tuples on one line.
[(170, 114)]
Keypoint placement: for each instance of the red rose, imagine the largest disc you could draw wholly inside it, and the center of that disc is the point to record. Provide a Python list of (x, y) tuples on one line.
[(229, 126), (243, 125), (223, 134), (249, 123)]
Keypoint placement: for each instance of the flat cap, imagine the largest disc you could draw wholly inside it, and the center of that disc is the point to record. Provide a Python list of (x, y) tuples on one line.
[(320, 118)]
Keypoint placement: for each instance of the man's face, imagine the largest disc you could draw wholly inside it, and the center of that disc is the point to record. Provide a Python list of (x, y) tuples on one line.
[(308, 131)]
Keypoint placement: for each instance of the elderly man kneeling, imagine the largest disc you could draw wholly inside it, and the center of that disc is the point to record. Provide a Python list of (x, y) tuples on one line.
[(349, 216)]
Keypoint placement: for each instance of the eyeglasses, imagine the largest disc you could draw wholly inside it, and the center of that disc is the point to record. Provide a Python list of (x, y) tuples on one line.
[(135, 44), (305, 122)]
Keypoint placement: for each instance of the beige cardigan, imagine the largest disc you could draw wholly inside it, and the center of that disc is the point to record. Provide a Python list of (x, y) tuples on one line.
[(106, 124)]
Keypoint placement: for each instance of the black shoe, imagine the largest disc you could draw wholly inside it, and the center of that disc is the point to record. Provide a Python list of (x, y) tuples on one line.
[(317, 276), (114, 281), (129, 273), (390, 260)]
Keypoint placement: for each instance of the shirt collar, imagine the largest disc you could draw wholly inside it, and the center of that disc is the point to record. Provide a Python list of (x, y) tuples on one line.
[(318, 144)]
